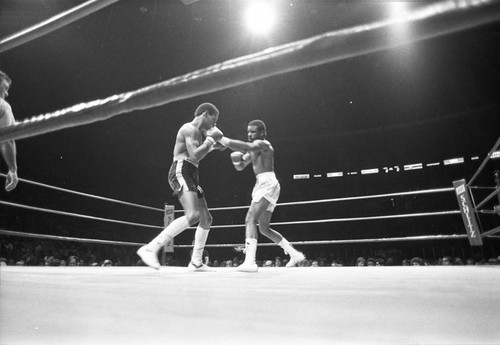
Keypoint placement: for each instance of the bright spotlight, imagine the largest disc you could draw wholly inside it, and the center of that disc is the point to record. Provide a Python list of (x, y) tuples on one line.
[(398, 9), (259, 17)]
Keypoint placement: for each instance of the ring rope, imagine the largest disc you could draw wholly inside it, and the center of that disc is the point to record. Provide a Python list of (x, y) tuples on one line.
[(33, 208), (334, 220), (238, 207), (387, 239), (364, 240), (434, 20), (488, 198), (331, 220), (87, 195), (487, 211), (53, 23), (374, 196), (66, 238), (483, 164), (426, 191), (491, 232)]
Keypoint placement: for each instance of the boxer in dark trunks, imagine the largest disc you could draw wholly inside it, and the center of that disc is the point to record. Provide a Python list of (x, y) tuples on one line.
[(194, 141)]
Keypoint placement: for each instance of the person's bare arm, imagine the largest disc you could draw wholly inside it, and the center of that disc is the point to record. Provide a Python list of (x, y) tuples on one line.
[(243, 146), (8, 149)]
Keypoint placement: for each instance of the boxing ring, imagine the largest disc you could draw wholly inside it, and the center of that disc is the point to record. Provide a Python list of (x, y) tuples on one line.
[(320, 305)]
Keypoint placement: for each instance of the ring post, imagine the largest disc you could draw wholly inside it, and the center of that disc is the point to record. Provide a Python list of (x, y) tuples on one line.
[(467, 211), (167, 219)]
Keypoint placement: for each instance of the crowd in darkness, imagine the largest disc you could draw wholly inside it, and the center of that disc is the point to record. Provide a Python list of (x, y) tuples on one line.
[(26, 251)]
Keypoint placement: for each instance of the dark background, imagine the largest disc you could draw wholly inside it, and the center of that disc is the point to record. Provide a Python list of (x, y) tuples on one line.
[(421, 103)]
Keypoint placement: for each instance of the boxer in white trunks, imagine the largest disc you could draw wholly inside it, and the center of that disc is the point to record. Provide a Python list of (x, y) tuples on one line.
[(259, 152)]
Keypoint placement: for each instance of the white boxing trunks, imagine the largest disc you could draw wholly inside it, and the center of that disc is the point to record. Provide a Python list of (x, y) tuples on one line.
[(268, 187)]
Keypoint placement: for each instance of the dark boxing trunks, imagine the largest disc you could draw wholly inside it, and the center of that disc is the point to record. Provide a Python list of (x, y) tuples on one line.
[(184, 174)]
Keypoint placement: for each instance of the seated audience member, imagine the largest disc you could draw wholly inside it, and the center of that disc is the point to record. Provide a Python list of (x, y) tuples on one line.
[(416, 261)]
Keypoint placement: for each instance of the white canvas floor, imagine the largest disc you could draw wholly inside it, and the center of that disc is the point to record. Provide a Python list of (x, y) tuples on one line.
[(331, 305)]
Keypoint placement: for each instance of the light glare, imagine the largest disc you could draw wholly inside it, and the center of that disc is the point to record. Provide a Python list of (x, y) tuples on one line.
[(259, 17)]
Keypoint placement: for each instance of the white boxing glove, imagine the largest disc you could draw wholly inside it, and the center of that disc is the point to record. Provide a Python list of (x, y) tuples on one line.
[(213, 135), (237, 157)]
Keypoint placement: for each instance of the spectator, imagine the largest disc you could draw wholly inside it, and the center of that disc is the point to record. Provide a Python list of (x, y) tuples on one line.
[(492, 261), (107, 263), (361, 261), (370, 262), (72, 261), (278, 262), (305, 263), (447, 261), (268, 263), (390, 261), (416, 261)]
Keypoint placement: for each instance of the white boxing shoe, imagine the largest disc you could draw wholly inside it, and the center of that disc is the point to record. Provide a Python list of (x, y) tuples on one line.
[(295, 259), (192, 267), (247, 267), (149, 257)]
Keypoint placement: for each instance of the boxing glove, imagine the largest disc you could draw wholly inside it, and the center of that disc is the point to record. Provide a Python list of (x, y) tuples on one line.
[(237, 157), (213, 135)]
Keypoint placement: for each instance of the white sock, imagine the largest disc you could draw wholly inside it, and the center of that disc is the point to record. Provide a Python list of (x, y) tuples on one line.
[(200, 238), (176, 227), (250, 250), (287, 247)]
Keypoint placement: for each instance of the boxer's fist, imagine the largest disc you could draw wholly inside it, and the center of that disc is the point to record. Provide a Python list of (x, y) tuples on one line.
[(237, 157), (215, 134)]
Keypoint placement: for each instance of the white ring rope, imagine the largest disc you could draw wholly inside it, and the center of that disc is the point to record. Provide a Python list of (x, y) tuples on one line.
[(331, 220), (488, 198), (487, 211), (53, 23), (492, 232), (363, 197), (65, 238), (33, 208), (87, 195), (426, 191), (483, 164), (374, 196), (208, 245), (363, 240), (434, 20), (273, 224), (334, 220), (436, 190)]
